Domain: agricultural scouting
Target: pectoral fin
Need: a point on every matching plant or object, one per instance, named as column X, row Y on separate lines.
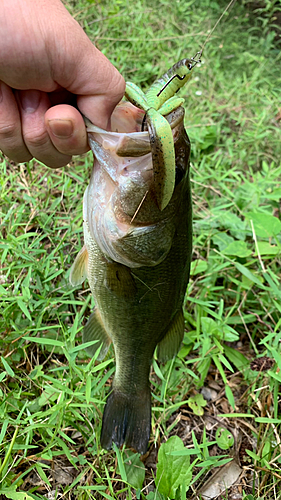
column 170, row 344
column 94, row 330
column 120, row 281
column 78, row 272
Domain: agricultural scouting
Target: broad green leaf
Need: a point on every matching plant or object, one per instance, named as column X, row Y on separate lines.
column 266, row 249
column 275, row 195
column 172, row 471
column 82, row 346
column 3, row 430
column 203, row 368
column 237, row 320
column 229, row 334
column 135, row 470
column 236, row 357
column 265, row 225
column 225, row 362
column 236, row 415
column 266, row 452
column 238, row 249
column 16, row 495
column 24, row 309
column 273, row 283
column 155, row 495
column 49, row 394
column 268, row 420
column 231, row 221
column 230, row 397
column 7, row 367
column 121, row 466
column 45, row 341
column 210, row 327
column 188, row 451
column 225, row 439
column 37, row 372
column 42, row 474
column 185, row 350
column 197, row 403
column 248, row 274
column 198, row 266
column 158, row 371
column 253, row 455
column 88, row 388
column 220, row 368
column 214, row 462
column 222, row 240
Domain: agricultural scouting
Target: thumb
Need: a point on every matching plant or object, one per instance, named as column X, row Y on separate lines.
column 97, row 103
column 88, row 74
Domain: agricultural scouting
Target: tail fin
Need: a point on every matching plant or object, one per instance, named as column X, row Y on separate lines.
column 126, row 419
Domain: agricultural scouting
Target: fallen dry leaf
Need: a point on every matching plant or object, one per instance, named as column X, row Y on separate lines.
column 225, row 477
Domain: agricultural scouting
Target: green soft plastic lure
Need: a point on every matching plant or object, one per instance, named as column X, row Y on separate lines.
column 160, row 100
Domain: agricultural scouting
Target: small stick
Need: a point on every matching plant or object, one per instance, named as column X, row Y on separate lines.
column 139, row 207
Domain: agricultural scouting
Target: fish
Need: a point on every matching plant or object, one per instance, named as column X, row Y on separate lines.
column 136, row 259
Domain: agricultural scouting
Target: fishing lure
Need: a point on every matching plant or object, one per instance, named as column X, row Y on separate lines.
column 158, row 101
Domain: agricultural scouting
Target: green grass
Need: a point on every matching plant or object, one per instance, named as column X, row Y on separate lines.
column 51, row 395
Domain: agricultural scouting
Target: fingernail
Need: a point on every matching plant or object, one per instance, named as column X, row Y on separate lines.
column 61, row 128
column 29, row 100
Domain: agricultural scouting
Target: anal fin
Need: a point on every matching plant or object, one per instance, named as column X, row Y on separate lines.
column 95, row 330
column 78, row 271
column 170, row 344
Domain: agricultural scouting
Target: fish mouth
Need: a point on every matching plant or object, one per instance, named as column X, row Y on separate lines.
column 120, row 206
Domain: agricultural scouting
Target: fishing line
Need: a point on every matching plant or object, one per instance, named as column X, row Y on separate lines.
column 197, row 58
column 232, row 2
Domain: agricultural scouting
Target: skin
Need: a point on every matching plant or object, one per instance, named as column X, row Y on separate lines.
column 47, row 66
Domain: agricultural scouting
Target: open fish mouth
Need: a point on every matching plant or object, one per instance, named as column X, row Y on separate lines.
column 120, row 205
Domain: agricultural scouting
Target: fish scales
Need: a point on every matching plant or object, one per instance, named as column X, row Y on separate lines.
column 137, row 268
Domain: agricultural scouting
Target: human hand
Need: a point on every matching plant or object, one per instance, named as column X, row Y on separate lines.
column 46, row 62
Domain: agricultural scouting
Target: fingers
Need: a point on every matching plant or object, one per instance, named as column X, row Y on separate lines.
column 30, row 128
column 98, row 106
column 66, row 129
column 33, row 105
column 11, row 140
column 93, row 79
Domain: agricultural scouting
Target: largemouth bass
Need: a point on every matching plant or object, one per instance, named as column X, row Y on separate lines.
column 136, row 258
